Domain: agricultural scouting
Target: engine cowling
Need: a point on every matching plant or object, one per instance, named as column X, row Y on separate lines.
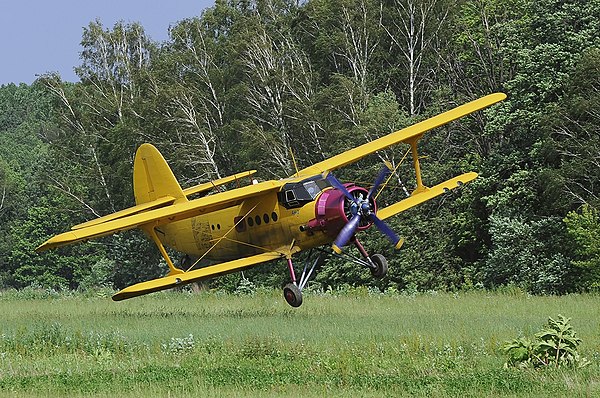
column 333, row 210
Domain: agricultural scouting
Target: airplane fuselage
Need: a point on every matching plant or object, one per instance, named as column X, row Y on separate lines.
column 257, row 225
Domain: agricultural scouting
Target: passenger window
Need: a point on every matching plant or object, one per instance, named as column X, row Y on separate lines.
column 250, row 221
column 274, row 216
column 266, row 218
column 240, row 224
column 257, row 220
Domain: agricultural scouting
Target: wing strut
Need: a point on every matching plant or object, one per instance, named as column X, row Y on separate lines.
column 152, row 232
column 415, row 155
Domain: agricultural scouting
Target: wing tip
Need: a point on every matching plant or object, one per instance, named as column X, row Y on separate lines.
column 151, row 286
column 499, row 95
column 56, row 241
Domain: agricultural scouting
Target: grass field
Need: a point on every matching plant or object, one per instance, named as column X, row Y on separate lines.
column 346, row 344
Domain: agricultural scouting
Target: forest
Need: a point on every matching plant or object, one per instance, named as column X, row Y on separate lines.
column 248, row 83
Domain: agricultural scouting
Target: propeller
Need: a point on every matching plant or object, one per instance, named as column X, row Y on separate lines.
column 362, row 210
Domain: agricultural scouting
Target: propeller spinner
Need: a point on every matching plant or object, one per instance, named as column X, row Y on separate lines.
column 363, row 212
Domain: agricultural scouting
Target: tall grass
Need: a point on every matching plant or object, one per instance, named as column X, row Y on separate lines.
column 351, row 343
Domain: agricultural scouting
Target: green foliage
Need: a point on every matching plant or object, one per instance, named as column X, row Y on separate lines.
column 555, row 346
column 584, row 230
column 245, row 84
column 245, row 287
column 100, row 275
column 53, row 269
column 527, row 254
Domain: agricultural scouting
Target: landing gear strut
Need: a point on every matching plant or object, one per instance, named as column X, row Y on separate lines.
column 292, row 292
column 376, row 263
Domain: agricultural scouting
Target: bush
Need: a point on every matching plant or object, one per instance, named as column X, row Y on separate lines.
column 555, row 346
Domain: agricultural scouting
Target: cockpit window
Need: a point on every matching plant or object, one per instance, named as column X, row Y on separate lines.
column 299, row 193
column 312, row 188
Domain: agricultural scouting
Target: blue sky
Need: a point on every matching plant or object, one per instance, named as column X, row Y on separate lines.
column 38, row 36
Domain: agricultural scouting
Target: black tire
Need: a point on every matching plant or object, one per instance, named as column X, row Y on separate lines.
column 381, row 266
column 292, row 295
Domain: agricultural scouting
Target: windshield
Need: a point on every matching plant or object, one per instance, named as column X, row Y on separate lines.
column 299, row 193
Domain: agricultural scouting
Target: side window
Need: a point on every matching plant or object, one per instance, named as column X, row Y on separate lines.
column 240, row 224
column 290, row 199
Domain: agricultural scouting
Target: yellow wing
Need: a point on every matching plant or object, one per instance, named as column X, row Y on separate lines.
column 405, row 135
column 207, row 186
column 171, row 281
column 164, row 201
column 176, row 212
column 425, row 195
column 155, row 186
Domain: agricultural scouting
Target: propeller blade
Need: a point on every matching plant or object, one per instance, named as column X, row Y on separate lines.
column 386, row 230
column 346, row 234
column 385, row 171
column 338, row 185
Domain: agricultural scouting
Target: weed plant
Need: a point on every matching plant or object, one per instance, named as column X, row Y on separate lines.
column 351, row 342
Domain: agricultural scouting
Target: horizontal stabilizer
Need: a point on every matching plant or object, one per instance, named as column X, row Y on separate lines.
column 176, row 280
column 165, row 200
column 425, row 195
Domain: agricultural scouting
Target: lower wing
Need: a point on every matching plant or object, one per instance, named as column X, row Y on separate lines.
column 184, row 278
column 425, row 195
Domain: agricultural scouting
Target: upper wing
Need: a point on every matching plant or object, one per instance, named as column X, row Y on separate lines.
column 165, row 200
column 207, row 186
column 170, row 281
column 403, row 135
column 164, row 215
column 161, row 202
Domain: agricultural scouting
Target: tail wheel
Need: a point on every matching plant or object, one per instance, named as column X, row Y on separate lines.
column 380, row 266
column 292, row 295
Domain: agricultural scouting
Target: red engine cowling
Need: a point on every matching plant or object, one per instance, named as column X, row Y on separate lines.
column 333, row 210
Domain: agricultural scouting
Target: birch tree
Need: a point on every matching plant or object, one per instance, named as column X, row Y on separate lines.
column 413, row 27
column 358, row 23
column 280, row 91
column 99, row 117
column 194, row 96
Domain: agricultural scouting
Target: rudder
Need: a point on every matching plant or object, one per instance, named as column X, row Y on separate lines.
column 153, row 178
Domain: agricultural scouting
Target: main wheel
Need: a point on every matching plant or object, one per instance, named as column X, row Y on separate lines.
column 292, row 295
column 380, row 266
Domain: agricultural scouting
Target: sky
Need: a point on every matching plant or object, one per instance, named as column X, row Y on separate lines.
column 39, row 36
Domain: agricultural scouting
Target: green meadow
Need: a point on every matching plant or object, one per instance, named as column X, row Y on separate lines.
column 349, row 344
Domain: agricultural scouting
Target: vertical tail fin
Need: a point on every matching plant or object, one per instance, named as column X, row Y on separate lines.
column 153, row 178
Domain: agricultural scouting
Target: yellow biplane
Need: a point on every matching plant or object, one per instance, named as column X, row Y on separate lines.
column 264, row 221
